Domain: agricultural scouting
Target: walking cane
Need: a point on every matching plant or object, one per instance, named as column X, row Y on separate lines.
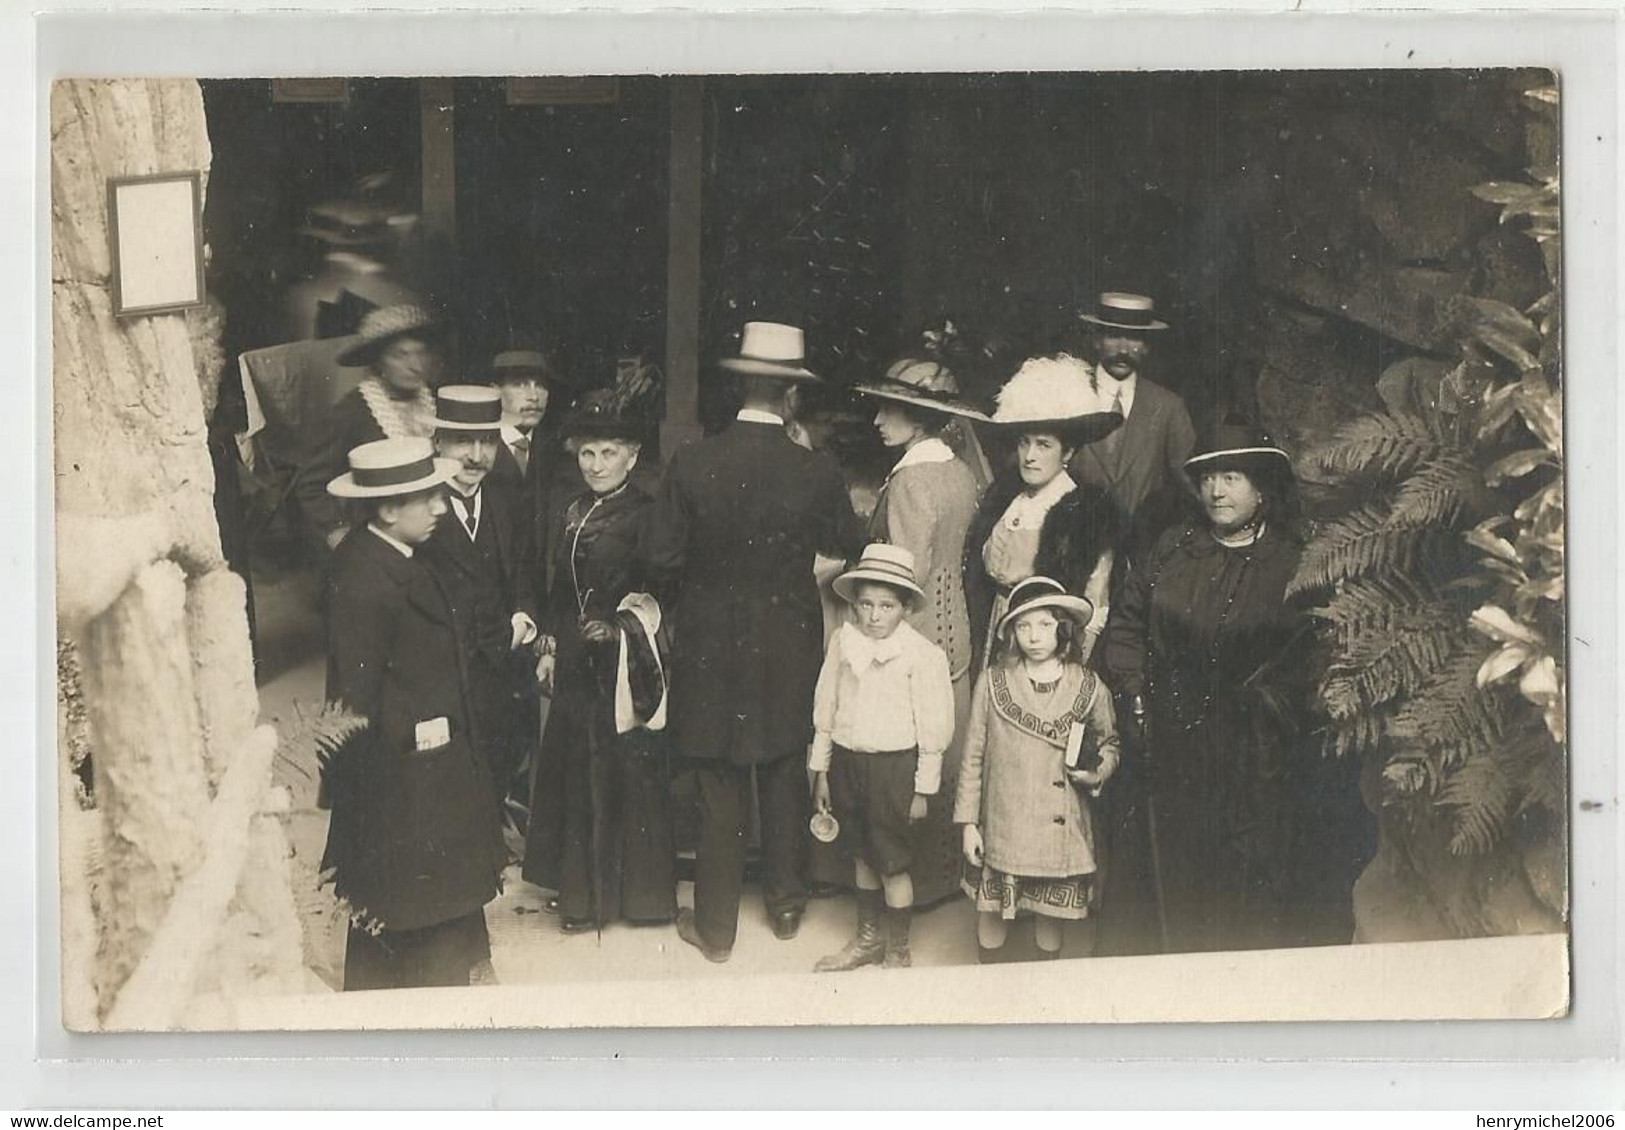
column 1143, row 727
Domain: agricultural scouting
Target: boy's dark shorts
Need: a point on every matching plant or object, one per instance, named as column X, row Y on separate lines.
column 871, row 794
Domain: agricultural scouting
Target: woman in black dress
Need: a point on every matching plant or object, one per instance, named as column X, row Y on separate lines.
column 600, row 831
column 1204, row 648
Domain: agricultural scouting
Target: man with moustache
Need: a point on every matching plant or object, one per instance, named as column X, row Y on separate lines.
column 482, row 555
column 413, row 845
column 1141, row 464
column 531, row 458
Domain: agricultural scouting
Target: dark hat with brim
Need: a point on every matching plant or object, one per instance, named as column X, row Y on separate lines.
column 517, row 364
column 600, row 415
column 770, row 349
column 1119, row 311
column 384, row 325
column 926, row 385
column 1239, row 444
column 1042, row 592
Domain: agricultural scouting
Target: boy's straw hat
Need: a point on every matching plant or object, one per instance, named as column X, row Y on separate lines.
column 881, row 563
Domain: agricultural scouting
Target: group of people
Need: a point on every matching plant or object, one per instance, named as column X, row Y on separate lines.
column 1072, row 695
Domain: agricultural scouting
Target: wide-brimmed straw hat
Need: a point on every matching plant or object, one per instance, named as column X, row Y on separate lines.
column 1119, row 311
column 925, row 384
column 387, row 468
column 1240, row 444
column 1042, row 592
column 467, row 408
column 384, row 325
column 600, row 414
column 771, row 349
column 881, row 563
column 1059, row 395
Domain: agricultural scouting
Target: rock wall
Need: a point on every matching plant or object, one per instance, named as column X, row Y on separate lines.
column 158, row 623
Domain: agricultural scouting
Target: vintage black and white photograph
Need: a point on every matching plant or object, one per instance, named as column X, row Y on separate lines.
column 781, row 549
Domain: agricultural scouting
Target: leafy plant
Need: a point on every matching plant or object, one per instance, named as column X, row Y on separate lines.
column 1442, row 580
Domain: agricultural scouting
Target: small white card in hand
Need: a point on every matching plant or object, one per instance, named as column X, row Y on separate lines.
column 433, row 734
column 1074, row 745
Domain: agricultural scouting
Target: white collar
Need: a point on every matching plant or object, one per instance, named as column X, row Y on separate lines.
column 929, row 450
column 512, row 435
column 393, row 542
column 860, row 652
column 463, row 500
column 757, row 416
column 1111, row 388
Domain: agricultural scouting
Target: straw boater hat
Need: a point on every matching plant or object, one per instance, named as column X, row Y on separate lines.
column 887, row 564
column 923, row 384
column 1057, row 394
column 770, row 349
column 387, row 468
column 600, row 414
column 1041, row 592
column 1120, row 311
column 516, row 364
column 384, row 325
column 467, row 408
column 1238, row 444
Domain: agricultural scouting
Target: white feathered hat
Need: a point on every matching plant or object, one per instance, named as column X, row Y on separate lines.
column 1057, row 394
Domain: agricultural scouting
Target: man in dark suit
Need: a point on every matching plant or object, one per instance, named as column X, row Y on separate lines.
column 483, row 556
column 413, row 844
column 530, row 460
column 1141, row 464
column 740, row 519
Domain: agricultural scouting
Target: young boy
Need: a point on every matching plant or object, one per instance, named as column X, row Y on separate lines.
column 883, row 713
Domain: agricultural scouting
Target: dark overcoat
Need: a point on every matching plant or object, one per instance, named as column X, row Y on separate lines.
column 486, row 584
column 350, row 425
column 1206, row 635
column 740, row 519
column 1146, row 475
column 414, row 839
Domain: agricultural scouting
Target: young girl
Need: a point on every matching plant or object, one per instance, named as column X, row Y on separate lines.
column 1042, row 735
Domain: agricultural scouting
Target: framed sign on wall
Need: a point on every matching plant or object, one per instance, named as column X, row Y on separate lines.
column 155, row 225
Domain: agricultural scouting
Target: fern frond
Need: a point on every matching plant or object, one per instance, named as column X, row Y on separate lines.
column 1357, row 544
column 1384, row 661
column 1436, row 494
column 313, row 737
column 1482, row 798
column 1377, row 445
column 1450, row 712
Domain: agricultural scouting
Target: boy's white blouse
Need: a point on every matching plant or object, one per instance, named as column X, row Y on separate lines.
column 879, row 696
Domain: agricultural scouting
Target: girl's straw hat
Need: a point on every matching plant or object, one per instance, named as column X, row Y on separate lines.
column 1041, row 592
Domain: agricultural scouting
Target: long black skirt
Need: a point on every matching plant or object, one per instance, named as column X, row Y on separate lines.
column 429, row 957
column 600, row 826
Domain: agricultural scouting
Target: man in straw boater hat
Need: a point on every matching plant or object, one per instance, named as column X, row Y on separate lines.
column 1142, row 463
column 740, row 519
column 484, row 557
column 414, row 846
column 399, row 347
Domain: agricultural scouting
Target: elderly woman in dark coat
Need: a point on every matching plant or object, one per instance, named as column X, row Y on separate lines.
column 1205, row 648
column 600, row 831
column 1035, row 520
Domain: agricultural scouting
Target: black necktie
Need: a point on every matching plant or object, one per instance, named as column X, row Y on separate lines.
column 469, row 522
column 521, row 451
